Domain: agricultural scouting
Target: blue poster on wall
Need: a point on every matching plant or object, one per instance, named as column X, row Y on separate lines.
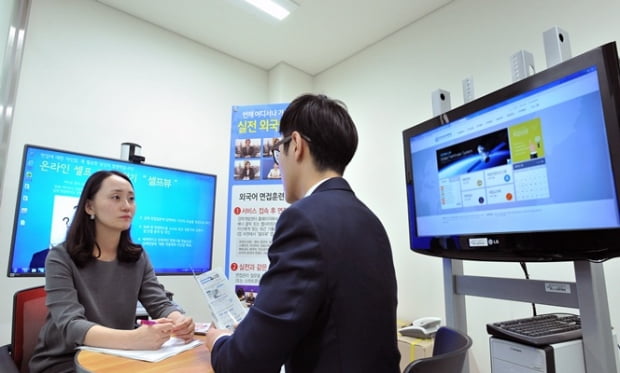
column 255, row 194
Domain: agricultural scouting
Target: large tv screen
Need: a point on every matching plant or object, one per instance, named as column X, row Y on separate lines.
column 173, row 220
column 530, row 172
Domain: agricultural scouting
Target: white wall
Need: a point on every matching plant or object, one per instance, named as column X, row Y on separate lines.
column 6, row 13
column 92, row 78
column 388, row 89
column 286, row 82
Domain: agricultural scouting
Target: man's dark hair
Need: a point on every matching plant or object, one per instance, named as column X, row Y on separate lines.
column 326, row 122
column 81, row 235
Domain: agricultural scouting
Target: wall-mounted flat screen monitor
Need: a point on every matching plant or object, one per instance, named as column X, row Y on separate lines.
column 530, row 172
column 173, row 220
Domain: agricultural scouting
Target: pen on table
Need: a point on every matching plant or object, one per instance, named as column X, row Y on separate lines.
column 146, row 322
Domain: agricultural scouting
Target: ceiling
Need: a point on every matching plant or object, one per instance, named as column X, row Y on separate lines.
column 316, row 36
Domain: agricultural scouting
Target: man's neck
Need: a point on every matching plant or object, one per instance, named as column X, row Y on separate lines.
column 315, row 178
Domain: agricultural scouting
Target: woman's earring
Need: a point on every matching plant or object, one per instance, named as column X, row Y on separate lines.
column 92, row 216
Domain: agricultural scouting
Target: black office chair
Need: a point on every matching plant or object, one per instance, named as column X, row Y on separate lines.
column 7, row 365
column 449, row 352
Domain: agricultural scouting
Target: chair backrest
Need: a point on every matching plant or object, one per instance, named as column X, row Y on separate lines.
column 449, row 352
column 29, row 314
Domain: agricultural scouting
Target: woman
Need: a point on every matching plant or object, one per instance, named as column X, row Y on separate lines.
column 95, row 279
column 274, row 173
column 248, row 172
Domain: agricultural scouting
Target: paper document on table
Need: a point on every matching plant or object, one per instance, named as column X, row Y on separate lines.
column 201, row 328
column 171, row 347
column 226, row 309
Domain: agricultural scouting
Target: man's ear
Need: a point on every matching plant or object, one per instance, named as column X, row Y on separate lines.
column 300, row 148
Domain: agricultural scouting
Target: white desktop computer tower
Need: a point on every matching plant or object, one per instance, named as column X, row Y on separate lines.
column 513, row 357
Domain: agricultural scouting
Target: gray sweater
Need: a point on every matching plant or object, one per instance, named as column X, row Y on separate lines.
column 103, row 293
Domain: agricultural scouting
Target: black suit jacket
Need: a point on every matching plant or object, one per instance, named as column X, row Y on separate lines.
column 328, row 300
column 249, row 151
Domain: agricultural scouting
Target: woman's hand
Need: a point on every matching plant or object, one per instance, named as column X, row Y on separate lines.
column 153, row 336
column 184, row 326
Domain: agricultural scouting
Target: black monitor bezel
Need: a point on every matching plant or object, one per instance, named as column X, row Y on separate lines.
column 597, row 244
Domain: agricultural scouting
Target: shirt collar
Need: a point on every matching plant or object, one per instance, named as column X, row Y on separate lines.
column 312, row 188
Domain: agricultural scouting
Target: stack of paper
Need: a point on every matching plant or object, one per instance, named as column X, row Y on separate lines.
column 170, row 348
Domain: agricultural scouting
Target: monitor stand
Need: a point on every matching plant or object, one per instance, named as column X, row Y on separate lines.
column 588, row 293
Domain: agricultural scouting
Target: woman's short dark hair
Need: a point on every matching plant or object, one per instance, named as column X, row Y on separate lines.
column 326, row 122
column 81, row 235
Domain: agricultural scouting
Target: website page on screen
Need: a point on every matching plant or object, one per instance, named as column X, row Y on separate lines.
column 536, row 162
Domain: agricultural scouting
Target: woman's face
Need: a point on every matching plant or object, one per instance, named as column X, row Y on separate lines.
column 113, row 205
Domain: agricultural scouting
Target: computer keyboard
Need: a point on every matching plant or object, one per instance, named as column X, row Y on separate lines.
column 539, row 330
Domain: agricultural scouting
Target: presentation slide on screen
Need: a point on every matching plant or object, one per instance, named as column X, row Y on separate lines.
column 173, row 220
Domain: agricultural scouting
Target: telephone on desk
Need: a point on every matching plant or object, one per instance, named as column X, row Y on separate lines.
column 425, row 327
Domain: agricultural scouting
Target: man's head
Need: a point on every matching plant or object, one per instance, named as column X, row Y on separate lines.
column 328, row 126
column 318, row 140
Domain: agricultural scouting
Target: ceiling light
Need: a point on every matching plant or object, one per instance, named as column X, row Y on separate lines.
column 278, row 9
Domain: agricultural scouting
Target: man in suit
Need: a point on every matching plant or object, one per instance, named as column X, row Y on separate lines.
column 328, row 300
column 248, row 150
